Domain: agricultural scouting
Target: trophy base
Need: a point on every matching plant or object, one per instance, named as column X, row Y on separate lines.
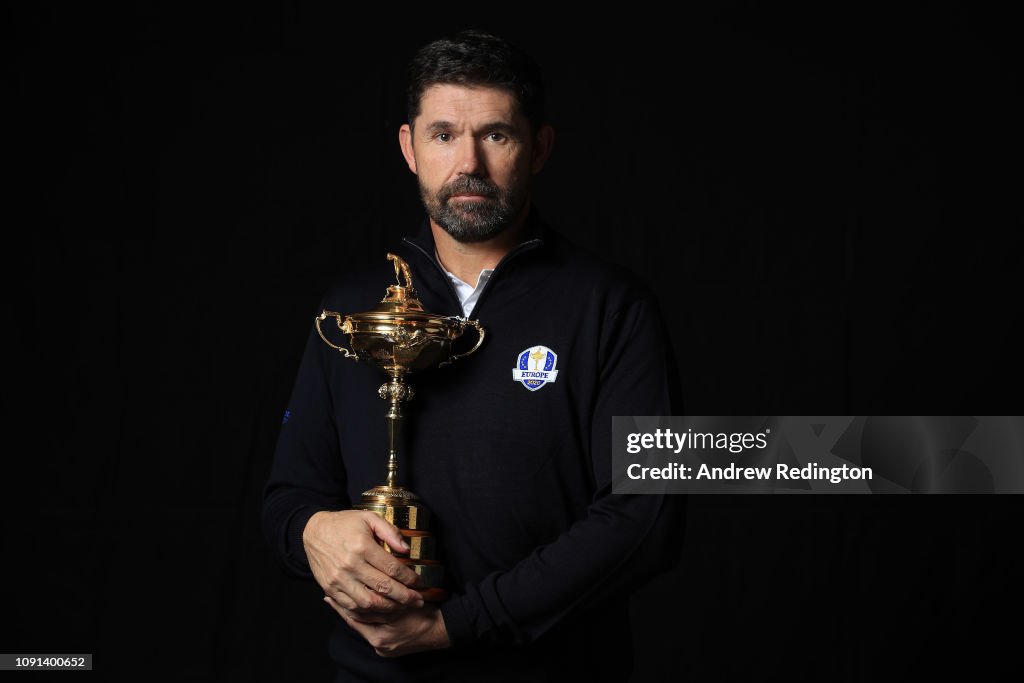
column 395, row 504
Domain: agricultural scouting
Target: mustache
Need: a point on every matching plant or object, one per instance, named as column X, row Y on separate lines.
column 468, row 184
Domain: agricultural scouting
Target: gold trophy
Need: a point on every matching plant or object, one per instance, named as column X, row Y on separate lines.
column 399, row 337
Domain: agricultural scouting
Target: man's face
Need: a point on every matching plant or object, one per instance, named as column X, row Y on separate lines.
column 473, row 154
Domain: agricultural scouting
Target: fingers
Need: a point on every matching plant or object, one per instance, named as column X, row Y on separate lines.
column 387, row 532
column 342, row 600
column 352, row 594
column 384, row 578
column 387, row 564
column 390, row 566
column 362, row 617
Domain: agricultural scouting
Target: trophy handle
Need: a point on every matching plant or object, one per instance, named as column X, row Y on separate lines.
column 480, row 340
column 323, row 316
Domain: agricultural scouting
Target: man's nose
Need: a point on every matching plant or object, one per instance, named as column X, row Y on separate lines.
column 470, row 160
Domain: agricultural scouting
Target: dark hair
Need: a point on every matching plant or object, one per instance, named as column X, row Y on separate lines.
column 476, row 58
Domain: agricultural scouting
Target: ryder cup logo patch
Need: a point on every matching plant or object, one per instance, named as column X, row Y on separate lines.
column 535, row 367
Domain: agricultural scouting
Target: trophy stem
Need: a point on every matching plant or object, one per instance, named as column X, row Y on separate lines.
column 394, row 416
column 395, row 391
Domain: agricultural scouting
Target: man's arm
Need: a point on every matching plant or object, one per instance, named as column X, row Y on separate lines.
column 307, row 475
column 622, row 541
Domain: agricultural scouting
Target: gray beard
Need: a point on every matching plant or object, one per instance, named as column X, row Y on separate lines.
column 479, row 220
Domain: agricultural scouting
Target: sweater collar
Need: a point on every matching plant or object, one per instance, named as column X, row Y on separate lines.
column 435, row 288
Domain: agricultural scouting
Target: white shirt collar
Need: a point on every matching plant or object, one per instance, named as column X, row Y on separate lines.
column 468, row 294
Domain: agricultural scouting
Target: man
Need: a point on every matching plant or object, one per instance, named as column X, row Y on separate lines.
column 539, row 555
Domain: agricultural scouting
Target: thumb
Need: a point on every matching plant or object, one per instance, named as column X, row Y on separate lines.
column 386, row 531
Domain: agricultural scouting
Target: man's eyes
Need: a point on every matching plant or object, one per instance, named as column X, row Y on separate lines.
column 493, row 137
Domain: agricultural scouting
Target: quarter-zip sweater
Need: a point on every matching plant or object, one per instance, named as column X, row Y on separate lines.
column 539, row 555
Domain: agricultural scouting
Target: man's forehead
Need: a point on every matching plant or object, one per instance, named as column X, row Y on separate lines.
column 443, row 101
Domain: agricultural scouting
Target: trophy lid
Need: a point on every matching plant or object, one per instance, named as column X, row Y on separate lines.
column 400, row 302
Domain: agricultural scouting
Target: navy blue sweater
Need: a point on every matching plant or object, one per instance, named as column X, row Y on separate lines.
column 539, row 555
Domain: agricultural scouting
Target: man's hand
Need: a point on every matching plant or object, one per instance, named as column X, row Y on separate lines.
column 353, row 570
column 414, row 630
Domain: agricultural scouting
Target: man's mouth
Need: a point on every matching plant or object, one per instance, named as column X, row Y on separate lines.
column 470, row 198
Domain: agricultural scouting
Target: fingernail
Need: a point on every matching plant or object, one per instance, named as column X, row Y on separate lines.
column 405, row 546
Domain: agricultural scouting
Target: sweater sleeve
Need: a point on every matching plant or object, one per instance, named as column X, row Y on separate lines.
column 307, row 475
column 622, row 541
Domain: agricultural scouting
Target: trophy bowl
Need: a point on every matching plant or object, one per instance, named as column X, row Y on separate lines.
column 406, row 341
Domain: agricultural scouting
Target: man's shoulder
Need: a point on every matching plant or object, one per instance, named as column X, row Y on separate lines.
column 584, row 267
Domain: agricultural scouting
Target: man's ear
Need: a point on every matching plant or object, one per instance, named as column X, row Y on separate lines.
column 543, row 141
column 405, row 142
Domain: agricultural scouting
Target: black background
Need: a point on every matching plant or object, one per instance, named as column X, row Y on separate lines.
column 827, row 201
